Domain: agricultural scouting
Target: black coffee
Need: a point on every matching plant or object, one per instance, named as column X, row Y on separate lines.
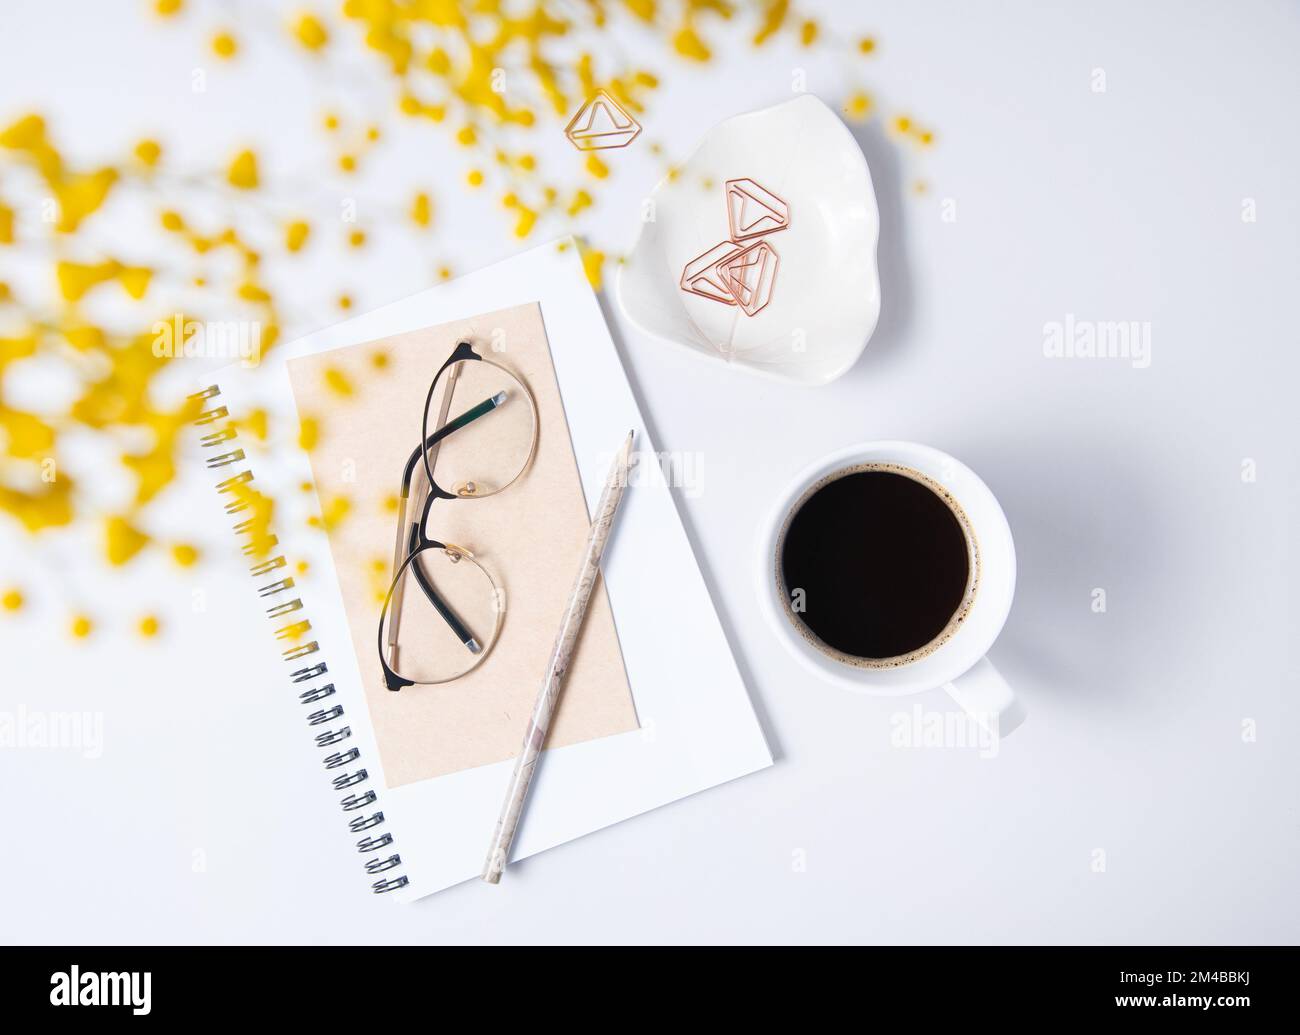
column 875, row 564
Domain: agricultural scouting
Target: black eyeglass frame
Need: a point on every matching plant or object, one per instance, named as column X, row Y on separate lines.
column 419, row 542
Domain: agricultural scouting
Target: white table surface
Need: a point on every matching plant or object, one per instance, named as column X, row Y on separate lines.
column 1122, row 205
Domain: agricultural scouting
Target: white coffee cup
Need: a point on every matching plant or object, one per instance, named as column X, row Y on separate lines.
column 959, row 663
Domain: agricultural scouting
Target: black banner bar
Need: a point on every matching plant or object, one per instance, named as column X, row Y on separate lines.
column 345, row 985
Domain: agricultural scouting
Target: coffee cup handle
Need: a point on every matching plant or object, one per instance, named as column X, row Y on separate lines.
column 987, row 698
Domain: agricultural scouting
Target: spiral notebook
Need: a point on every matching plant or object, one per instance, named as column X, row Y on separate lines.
column 658, row 711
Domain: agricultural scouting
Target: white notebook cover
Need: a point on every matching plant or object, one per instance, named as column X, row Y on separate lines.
column 698, row 728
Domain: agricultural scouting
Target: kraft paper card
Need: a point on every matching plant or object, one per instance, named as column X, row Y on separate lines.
column 364, row 405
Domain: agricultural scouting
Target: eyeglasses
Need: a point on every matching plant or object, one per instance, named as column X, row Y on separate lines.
column 446, row 625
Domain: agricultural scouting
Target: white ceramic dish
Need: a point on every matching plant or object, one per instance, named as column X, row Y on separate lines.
column 826, row 296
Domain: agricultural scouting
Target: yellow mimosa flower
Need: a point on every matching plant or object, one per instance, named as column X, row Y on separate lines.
column 243, row 171
column 310, row 32
column 224, row 45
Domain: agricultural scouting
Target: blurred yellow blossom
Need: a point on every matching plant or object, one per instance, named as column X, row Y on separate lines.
column 774, row 14
column 255, row 423
column 689, row 45
column 184, row 554
column 12, row 600
column 79, row 196
column 38, row 510
column 81, row 626
column 332, row 514
column 308, row 432
column 310, row 31
column 523, row 225
column 148, row 152
column 224, row 45
column 421, row 209
column 76, row 279
column 858, row 106
column 26, row 435
column 338, row 382
column 116, row 362
column 581, row 200
column 243, row 171
column 28, row 134
column 122, row 540
column 295, row 235
column 593, row 263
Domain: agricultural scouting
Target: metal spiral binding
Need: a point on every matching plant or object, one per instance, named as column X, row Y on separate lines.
column 224, row 435
column 311, row 696
column 275, row 587
column 358, row 801
column 258, row 543
column 341, row 758
column 350, row 779
column 324, row 715
column 226, row 459
column 280, row 610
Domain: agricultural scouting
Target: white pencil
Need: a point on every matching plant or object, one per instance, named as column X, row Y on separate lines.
column 565, row 642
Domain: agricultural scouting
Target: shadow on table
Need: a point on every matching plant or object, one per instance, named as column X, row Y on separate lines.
column 1086, row 520
column 896, row 296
